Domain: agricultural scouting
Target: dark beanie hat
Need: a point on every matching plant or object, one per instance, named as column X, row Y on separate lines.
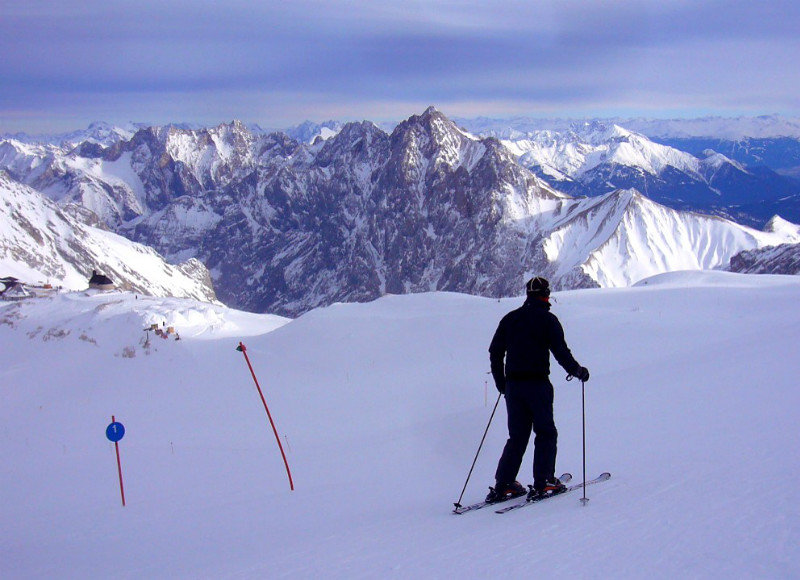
column 538, row 286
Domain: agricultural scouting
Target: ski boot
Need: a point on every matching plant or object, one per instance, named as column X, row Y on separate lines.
column 552, row 486
column 504, row 491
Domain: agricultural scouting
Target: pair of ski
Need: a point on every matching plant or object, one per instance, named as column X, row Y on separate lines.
column 565, row 478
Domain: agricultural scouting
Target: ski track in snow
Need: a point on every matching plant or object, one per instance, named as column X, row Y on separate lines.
column 380, row 406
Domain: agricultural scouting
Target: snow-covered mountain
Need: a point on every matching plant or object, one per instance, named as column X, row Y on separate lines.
column 759, row 158
column 285, row 226
column 620, row 238
column 79, row 175
column 594, row 158
column 780, row 154
column 780, row 259
column 41, row 242
column 135, row 177
column 570, row 155
column 309, row 131
column 98, row 133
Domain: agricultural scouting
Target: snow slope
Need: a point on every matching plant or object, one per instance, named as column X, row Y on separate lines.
column 41, row 242
column 692, row 406
column 620, row 238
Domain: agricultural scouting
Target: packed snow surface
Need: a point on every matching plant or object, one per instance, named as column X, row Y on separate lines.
column 692, row 405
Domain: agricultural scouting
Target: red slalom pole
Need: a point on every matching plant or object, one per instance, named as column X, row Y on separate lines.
column 241, row 348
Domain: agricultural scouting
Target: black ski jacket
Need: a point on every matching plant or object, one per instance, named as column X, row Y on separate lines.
column 525, row 338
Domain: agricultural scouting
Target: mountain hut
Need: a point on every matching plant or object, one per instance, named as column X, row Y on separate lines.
column 100, row 282
column 13, row 289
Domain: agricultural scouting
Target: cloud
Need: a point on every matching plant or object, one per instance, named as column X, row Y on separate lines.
column 268, row 58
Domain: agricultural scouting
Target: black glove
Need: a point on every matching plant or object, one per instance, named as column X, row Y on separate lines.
column 582, row 374
column 500, row 385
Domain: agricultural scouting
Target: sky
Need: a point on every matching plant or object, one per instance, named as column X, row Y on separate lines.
column 277, row 64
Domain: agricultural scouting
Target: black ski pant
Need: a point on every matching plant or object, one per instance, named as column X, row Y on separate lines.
column 530, row 407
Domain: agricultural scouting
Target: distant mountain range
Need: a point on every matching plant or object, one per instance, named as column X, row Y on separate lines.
column 351, row 212
column 781, row 154
column 594, row 158
column 720, row 128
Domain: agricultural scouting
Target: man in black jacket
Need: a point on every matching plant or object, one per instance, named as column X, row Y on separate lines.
column 524, row 340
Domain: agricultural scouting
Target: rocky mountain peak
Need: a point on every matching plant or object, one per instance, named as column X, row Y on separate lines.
column 357, row 142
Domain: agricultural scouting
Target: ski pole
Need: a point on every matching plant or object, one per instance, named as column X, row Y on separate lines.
column 458, row 503
column 584, row 499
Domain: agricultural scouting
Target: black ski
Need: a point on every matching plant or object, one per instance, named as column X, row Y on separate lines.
column 602, row 477
column 565, row 478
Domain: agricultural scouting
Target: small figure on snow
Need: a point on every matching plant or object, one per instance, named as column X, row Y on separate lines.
column 520, row 360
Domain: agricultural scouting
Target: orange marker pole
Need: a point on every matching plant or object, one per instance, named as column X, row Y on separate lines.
column 241, row 348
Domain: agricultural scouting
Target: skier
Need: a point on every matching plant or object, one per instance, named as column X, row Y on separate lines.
column 524, row 338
